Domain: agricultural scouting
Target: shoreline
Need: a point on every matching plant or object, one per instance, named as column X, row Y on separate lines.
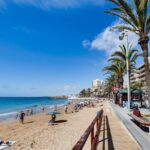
column 11, row 116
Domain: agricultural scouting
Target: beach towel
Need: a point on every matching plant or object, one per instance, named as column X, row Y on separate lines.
column 4, row 146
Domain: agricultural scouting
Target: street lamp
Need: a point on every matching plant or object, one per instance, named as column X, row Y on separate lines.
column 125, row 34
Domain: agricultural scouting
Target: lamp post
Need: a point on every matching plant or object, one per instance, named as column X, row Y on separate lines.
column 125, row 34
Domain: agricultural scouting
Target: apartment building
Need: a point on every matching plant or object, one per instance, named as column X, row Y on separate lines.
column 138, row 75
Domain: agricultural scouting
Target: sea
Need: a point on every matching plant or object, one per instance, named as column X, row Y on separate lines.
column 11, row 106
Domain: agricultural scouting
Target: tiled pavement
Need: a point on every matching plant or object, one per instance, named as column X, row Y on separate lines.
column 113, row 133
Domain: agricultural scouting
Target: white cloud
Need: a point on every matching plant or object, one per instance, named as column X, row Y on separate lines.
column 47, row 4
column 86, row 43
column 108, row 40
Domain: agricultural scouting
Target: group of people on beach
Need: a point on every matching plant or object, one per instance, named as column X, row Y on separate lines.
column 79, row 106
column 28, row 112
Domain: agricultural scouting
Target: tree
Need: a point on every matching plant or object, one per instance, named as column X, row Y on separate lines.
column 109, row 84
column 88, row 92
column 120, row 56
column 138, row 21
column 137, row 85
column 117, row 69
column 82, row 93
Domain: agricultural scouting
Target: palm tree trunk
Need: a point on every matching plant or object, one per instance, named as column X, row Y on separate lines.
column 143, row 41
column 121, row 83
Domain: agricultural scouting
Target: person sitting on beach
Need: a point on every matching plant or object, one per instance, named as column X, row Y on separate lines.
column 53, row 118
column 137, row 112
column 21, row 117
column 52, row 121
column 4, row 142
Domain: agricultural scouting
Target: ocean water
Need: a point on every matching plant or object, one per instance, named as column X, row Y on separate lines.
column 10, row 106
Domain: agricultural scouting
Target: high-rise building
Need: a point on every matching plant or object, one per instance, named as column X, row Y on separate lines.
column 139, row 74
column 96, row 84
column 96, row 87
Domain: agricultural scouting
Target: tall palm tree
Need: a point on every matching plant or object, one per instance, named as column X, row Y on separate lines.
column 117, row 69
column 121, row 56
column 138, row 21
column 110, row 82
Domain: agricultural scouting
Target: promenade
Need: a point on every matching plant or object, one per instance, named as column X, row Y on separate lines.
column 113, row 133
column 142, row 137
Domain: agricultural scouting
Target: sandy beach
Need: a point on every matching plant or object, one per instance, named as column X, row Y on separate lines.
column 36, row 134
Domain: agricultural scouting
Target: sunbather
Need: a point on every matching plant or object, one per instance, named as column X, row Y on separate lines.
column 6, row 144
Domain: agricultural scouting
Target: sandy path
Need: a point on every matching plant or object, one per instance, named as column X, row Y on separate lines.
column 37, row 135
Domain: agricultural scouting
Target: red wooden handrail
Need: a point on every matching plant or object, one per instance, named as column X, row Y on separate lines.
column 90, row 130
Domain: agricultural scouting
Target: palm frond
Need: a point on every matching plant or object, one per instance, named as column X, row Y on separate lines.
column 128, row 21
column 124, row 27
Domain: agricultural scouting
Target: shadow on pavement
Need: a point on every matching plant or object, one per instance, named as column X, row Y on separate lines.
column 110, row 141
column 106, row 141
column 145, row 129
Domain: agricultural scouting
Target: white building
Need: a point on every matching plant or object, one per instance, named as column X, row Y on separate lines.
column 97, row 87
column 96, row 84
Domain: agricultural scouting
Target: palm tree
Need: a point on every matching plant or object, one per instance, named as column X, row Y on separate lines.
column 88, row 92
column 110, row 82
column 82, row 93
column 120, row 56
column 138, row 21
column 137, row 85
column 117, row 69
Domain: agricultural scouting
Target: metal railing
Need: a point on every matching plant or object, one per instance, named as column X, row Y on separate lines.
column 90, row 130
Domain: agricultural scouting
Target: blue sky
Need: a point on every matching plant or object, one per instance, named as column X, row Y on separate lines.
column 52, row 47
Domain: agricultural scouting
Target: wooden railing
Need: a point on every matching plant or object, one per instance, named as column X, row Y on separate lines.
column 90, row 130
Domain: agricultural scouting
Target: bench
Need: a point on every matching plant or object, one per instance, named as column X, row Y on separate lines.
column 143, row 121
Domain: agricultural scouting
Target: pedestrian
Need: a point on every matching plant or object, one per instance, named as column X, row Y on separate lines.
column 55, row 108
column 21, row 117
column 31, row 111
column 43, row 108
column 66, row 109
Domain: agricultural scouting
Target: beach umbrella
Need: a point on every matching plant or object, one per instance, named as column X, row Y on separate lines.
column 53, row 113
